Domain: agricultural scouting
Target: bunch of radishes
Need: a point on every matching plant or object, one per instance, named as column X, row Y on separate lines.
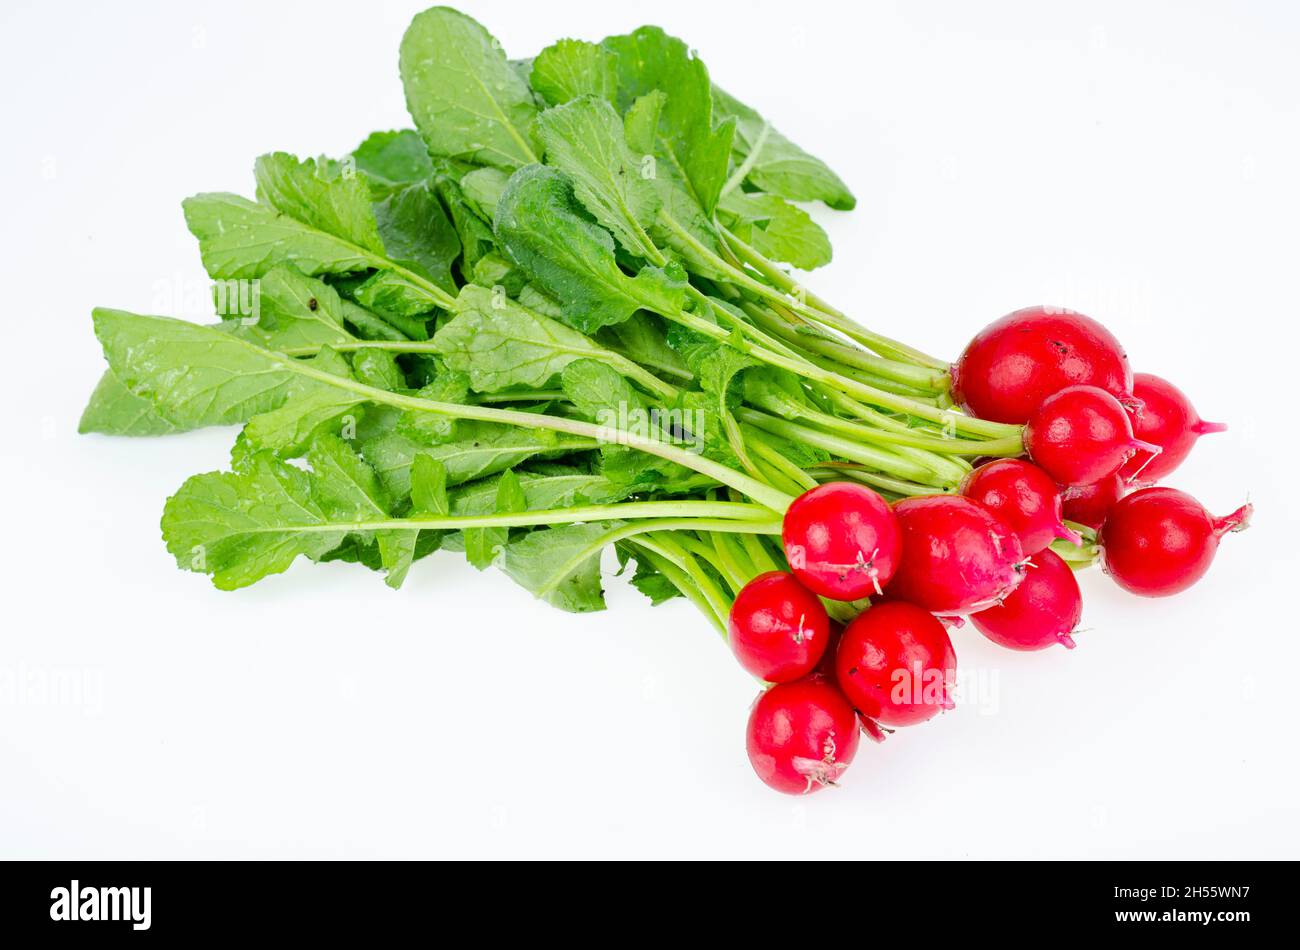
column 1092, row 432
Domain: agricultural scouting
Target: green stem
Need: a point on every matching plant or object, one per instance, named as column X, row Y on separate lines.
column 808, row 304
column 758, row 491
column 879, row 459
column 819, row 341
column 758, row 554
column 849, row 386
column 742, row 171
column 719, row 602
column 624, row 532
column 730, row 559
column 936, row 450
column 532, row 395
column 728, row 516
column 896, row 486
column 769, row 454
column 678, row 577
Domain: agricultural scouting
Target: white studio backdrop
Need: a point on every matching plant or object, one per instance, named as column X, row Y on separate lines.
column 1137, row 162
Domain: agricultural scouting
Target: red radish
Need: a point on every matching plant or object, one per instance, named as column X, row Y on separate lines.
column 1089, row 505
column 826, row 670
column 841, row 540
column 802, row 736
column 1165, row 417
column 957, row 557
column 778, row 629
column 896, row 664
column 1160, row 541
column 1015, row 363
column 1024, row 498
column 1043, row 611
column 1081, row 435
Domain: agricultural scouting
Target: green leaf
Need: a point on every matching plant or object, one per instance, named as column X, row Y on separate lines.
column 496, row 270
column 781, row 168
column 115, row 410
column 429, row 485
column 776, row 391
column 241, row 239
column 600, row 394
column 239, row 527
column 378, row 368
column 483, row 544
column 572, row 68
column 347, row 489
column 309, row 407
column 650, row 59
column 317, row 219
column 295, row 311
column 368, row 325
column 653, row 584
column 551, row 237
column 501, row 344
column 466, row 100
column 641, row 339
column 545, row 560
column 584, row 138
column 430, row 429
column 542, row 492
column 394, row 159
column 417, row 233
column 481, row 449
column 483, row 188
column 718, row 370
column 681, row 224
column 475, row 233
column 397, row 300
column 192, row 375
column 636, row 473
column 776, row 229
column 330, row 203
column 344, row 486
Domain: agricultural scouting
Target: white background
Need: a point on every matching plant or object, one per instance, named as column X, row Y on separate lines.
column 1137, row 162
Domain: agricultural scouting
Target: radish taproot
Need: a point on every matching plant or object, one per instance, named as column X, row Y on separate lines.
column 1165, row 417
column 1081, row 435
column 841, row 540
column 777, row 628
column 896, row 664
column 1161, row 541
column 1024, row 498
column 957, row 557
column 1015, row 363
column 1043, row 611
column 801, row 736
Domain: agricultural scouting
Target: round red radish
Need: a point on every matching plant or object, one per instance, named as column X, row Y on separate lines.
column 1160, row 541
column 1015, row 363
column 802, row 736
column 1024, row 498
column 1089, row 505
column 957, row 557
column 778, row 629
column 1080, row 436
column 826, row 670
column 841, row 540
column 896, row 664
column 1164, row 416
column 1043, row 611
